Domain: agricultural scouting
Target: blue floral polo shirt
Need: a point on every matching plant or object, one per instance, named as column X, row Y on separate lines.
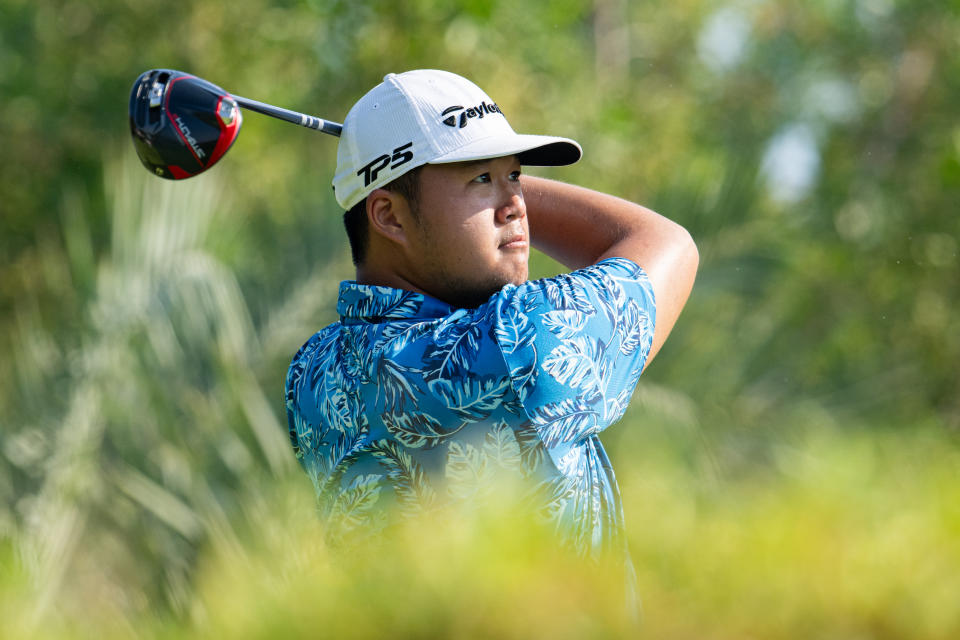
column 407, row 402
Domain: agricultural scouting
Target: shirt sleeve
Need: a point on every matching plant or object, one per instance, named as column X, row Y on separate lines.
column 575, row 346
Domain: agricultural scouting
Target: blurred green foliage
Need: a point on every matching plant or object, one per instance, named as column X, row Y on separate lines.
column 800, row 422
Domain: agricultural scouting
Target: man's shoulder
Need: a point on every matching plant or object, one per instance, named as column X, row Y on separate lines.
column 307, row 353
column 611, row 285
column 314, row 342
column 575, row 344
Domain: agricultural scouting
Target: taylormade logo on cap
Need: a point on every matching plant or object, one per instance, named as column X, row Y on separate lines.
column 472, row 112
column 429, row 116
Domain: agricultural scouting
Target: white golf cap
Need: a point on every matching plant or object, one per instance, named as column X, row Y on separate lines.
column 428, row 116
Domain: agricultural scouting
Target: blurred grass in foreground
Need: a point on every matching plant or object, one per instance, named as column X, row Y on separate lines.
column 846, row 535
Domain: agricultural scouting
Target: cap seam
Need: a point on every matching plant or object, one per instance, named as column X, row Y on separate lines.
column 416, row 109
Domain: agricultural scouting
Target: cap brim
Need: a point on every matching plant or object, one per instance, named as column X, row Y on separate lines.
column 539, row 151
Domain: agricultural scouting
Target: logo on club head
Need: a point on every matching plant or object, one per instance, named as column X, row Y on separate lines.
column 479, row 111
column 185, row 134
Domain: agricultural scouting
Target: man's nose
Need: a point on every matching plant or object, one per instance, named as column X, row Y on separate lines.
column 514, row 208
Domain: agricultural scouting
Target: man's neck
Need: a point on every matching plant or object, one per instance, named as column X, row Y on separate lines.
column 371, row 275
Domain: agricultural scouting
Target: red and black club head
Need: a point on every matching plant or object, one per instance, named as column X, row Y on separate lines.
column 181, row 125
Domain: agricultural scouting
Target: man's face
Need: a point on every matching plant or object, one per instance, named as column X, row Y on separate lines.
column 471, row 235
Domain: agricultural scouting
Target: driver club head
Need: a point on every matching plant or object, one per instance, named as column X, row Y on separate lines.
column 181, row 125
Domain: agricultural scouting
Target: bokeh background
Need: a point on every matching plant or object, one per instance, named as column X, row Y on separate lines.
column 790, row 463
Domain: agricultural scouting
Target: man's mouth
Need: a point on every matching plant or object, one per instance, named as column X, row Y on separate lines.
column 518, row 241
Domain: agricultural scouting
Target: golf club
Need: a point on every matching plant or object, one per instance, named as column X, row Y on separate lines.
column 182, row 125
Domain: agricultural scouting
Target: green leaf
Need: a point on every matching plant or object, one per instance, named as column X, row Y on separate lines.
column 501, row 447
column 354, row 505
column 467, row 470
column 409, row 480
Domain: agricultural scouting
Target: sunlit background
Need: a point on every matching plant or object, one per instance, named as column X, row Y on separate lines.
column 789, row 465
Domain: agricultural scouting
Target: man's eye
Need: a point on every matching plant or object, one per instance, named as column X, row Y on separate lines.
column 483, row 177
column 515, row 176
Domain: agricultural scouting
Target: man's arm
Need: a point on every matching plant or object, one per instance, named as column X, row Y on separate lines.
column 580, row 227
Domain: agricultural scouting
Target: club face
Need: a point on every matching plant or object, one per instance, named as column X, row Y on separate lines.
column 181, row 125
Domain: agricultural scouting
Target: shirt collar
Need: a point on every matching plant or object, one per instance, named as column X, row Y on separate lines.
column 360, row 303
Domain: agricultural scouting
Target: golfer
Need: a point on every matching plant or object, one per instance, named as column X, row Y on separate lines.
column 448, row 369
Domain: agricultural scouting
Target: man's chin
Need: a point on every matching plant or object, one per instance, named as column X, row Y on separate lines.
column 472, row 295
column 520, row 277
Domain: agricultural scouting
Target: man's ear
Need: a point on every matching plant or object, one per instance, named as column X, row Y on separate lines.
column 388, row 213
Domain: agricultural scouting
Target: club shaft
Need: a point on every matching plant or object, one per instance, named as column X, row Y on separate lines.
column 302, row 119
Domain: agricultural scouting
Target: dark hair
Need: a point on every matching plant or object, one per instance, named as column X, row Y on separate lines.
column 355, row 219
